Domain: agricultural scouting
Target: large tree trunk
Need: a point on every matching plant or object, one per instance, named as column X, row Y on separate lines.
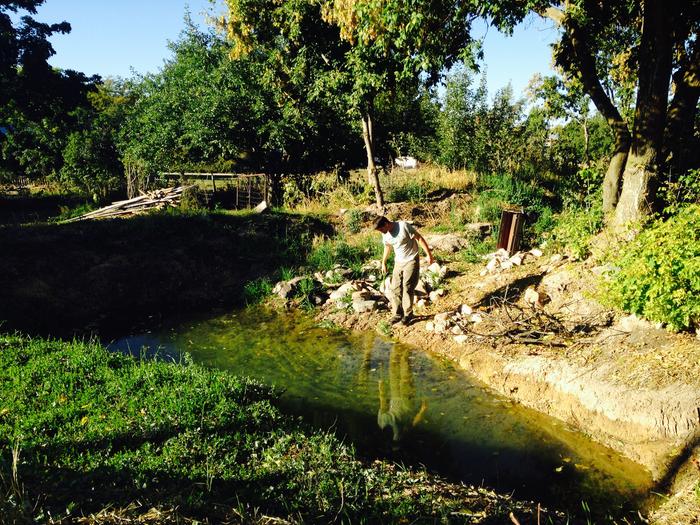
column 372, row 175
column 586, row 67
column 613, row 175
column 642, row 171
column 680, row 145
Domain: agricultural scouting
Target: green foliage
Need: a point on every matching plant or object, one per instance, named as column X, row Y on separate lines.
column 353, row 220
column 91, row 164
column 659, row 272
column 499, row 191
column 477, row 247
column 256, row 291
column 193, row 200
column 573, row 230
column 413, row 191
column 684, row 191
column 305, row 290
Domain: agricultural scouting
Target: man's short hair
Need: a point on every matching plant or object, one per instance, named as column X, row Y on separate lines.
column 380, row 222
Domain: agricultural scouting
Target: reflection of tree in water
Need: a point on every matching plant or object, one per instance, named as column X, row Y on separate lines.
column 397, row 400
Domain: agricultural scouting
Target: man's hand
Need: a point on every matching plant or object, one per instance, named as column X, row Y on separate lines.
column 430, row 259
column 384, row 272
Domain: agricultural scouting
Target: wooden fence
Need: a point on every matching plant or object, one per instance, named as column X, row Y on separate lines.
column 244, row 190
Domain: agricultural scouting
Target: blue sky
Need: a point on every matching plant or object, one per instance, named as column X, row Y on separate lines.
column 114, row 38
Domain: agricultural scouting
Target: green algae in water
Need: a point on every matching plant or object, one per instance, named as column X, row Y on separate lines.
column 396, row 402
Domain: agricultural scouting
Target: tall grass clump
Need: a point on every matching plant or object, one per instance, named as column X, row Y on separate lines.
column 659, row 272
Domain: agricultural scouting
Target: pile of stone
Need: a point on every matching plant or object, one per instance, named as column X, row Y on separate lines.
column 366, row 294
column 501, row 260
column 452, row 322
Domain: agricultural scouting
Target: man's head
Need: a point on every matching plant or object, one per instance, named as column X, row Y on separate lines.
column 382, row 224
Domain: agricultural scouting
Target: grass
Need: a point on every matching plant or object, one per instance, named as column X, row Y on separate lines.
column 85, row 431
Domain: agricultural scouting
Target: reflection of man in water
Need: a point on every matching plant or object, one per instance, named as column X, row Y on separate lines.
column 397, row 409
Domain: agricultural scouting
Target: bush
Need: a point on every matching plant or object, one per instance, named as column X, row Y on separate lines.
column 256, row 291
column 659, row 272
column 573, row 230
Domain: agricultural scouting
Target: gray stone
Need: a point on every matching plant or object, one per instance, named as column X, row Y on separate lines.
column 448, row 242
column 363, row 306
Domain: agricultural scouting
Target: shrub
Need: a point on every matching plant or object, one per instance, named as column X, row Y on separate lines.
column 255, row 291
column 353, row 220
column 573, row 230
column 659, row 272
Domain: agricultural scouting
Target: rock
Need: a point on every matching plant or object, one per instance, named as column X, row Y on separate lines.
column 363, row 306
column 361, row 295
column 484, row 272
column 557, row 257
column 536, row 252
column 343, row 291
column 517, row 259
column 342, row 211
column 448, row 242
column 492, row 266
column 442, row 317
column 421, row 289
column 531, row 296
column 283, row 289
column 460, row 339
column 440, row 327
column 482, row 228
column 630, row 323
column 437, row 269
column 420, row 304
column 429, row 326
column 433, row 296
column 318, row 300
column 465, row 310
column 502, row 253
column 476, row 318
column 371, row 278
column 456, row 330
column 506, row 265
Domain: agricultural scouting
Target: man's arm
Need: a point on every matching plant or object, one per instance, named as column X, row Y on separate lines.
column 425, row 247
column 385, row 257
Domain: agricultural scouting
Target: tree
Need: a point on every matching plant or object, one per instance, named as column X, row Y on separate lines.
column 645, row 44
column 37, row 102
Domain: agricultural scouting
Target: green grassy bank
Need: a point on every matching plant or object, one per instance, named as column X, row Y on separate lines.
column 84, row 431
column 94, row 275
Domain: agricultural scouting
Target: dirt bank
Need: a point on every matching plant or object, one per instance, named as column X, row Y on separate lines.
column 624, row 382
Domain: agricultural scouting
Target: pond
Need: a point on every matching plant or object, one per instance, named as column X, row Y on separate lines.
column 397, row 402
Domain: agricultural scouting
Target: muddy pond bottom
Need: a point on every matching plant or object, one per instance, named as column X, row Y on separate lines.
column 396, row 402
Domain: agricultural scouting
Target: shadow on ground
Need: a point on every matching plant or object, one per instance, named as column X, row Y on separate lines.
column 62, row 279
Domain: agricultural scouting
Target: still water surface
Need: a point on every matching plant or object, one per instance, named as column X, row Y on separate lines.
column 396, row 402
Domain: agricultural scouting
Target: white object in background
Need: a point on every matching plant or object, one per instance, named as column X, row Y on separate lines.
column 406, row 162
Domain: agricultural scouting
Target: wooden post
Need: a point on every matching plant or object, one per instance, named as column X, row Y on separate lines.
column 237, row 183
column 250, row 185
column 213, row 184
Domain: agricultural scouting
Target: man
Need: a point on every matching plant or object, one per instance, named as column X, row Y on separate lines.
column 404, row 239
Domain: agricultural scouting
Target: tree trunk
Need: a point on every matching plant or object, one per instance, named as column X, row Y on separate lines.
column 613, row 176
column 372, row 175
column 586, row 67
column 642, row 171
column 680, row 147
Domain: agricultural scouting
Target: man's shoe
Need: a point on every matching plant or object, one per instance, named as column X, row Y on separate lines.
column 407, row 320
column 396, row 319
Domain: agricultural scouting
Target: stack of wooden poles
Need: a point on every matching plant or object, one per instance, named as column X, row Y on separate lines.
column 152, row 200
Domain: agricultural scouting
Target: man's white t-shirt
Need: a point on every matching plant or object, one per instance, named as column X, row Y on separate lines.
column 402, row 237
